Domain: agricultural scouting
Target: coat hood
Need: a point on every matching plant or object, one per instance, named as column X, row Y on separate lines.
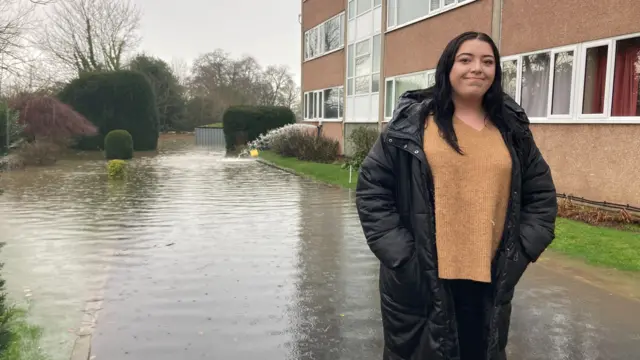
column 412, row 108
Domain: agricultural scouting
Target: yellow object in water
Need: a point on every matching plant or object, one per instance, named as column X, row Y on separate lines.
column 254, row 152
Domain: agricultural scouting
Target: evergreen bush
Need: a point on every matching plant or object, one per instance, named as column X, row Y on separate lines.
column 118, row 144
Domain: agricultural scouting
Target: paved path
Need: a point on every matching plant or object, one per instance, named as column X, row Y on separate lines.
column 243, row 262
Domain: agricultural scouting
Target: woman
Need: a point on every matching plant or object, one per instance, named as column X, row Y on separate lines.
column 455, row 200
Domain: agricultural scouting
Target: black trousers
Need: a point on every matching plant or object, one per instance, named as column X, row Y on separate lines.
column 469, row 299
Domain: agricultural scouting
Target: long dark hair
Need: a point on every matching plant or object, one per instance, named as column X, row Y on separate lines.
column 442, row 105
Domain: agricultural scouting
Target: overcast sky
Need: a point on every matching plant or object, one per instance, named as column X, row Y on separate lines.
column 267, row 30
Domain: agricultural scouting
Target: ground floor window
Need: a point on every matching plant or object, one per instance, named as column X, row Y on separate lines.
column 594, row 81
column 398, row 85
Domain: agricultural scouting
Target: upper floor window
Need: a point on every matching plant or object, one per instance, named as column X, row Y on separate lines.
column 324, row 38
column 404, row 12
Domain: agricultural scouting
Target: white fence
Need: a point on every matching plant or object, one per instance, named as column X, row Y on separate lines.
column 209, row 136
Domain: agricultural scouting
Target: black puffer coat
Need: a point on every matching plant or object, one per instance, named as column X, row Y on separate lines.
column 394, row 199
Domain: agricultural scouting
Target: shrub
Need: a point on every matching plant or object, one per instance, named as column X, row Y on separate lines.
column 242, row 123
column 115, row 100
column 362, row 140
column 118, row 144
column 265, row 141
column 305, row 145
column 116, row 169
column 40, row 152
column 45, row 117
column 15, row 128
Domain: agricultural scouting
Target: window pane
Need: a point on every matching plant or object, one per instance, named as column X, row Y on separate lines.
column 435, row 5
column 331, row 34
column 352, row 9
column 307, row 48
column 510, row 77
column 562, row 76
column 388, row 103
column 413, row 82
column 625, row 101
column 363, row 6
column 362, row 85
column 449, row 2
column 313, row 106
column 349, row 87
column 350, row 61
column 375, row 83
column 363, row 65
column 376, row 53
column 306, row 106
column 331, row 103
column 535, row 84
column 391, row 13
column 362, row 47
column 595, row 75
column 377, row 3
column 313, row 43
column 431, row 80
column 340, row 102
column 412, row 9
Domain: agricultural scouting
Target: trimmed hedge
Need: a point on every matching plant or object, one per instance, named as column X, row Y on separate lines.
column 243, row 123
column 118, row 144
column 115, row 100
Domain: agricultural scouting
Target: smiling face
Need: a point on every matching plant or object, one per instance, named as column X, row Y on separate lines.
column 474, row 69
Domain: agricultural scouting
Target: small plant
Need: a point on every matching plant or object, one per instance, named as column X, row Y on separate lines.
column 116, row 168
column 362, row 140
column 118, row 144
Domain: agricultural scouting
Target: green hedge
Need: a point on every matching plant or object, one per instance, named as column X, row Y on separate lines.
column 245, row 123
column 118, row 144
column 115, row 100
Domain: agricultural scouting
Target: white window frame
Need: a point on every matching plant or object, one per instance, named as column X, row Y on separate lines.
column 318, row 114
column 392, row 79
column 320, row 35
column 577, row 96
column 440, row 10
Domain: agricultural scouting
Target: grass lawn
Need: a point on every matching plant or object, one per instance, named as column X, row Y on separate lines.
column 619, row 249
column 600, row 246
column 328, row 173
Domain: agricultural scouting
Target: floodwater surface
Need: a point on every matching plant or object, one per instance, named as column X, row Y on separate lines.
column 198, row 256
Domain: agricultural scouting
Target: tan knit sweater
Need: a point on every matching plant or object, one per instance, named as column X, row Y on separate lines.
column 471, row 198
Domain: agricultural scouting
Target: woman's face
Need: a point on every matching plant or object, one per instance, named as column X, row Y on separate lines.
column 474, row 69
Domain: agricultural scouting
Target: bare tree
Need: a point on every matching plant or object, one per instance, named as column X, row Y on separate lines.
column 89, row 35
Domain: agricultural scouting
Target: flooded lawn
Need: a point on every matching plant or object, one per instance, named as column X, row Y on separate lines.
column 198, row 256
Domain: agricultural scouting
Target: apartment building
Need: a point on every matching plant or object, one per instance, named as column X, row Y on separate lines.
column 573, row 65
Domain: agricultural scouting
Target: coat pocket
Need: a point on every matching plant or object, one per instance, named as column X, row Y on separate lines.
column 516, row 266
column 402, row 288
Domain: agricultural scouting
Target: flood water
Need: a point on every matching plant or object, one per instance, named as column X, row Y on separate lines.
column 198, row 256
column 195, row 254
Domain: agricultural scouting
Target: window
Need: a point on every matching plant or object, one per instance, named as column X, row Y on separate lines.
column 535, row 84
column 626, row 75
column 404, row 12
column 397, row 86
column 326, row 104
column 510, row 77
column 324, row 38
column 596, row 81
column 595, row 75
column 562, row 83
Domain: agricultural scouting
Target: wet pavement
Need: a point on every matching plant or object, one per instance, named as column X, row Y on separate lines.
column 202, row 257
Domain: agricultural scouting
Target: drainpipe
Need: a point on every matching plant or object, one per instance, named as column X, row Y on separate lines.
column 496, row 22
